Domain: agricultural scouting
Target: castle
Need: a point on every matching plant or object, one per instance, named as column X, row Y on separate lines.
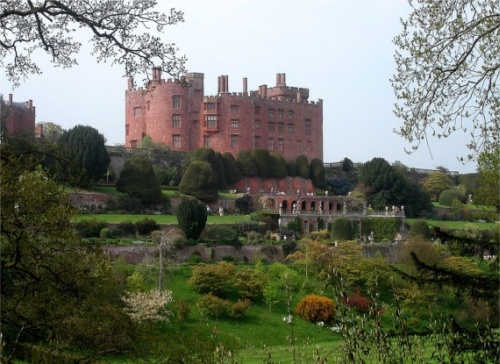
column 279, row 118
column 19, row 117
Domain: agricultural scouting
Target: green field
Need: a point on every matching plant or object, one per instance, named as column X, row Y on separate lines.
column 160, row 219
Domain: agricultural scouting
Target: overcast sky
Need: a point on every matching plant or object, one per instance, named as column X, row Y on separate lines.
column 341, row 50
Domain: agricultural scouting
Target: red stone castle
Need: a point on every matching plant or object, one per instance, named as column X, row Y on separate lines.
column 279, row 118
column 19, row 117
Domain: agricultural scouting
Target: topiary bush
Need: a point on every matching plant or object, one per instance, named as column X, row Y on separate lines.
column 127, row 228
column 315, row 308
column 146, row 226
column 221, row 235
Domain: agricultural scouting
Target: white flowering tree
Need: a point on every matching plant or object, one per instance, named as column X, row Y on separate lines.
column 148, row 306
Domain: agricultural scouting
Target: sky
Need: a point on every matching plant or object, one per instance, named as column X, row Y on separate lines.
column 341, row 50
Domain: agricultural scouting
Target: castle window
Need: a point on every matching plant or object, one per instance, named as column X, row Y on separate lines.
column 307, row 126
column 270, row 113
column 271, row 126
column 280, row 114
column 127, row 127
column 256, row 142
column 280, row 145
column 257, row 110
column 234, row 141
column 256, row 124
column 176, row 121
column 234, row 109
column 176, row 141
column 176, row 101
column 270, row 144
column 148, row 105
column 137, row 111
column 211, row 121
column 290, row 128
column 133, row 143
column 290, row 114
column 281, row 127
column 234, row 124
column 210, row 106
column 206, row 141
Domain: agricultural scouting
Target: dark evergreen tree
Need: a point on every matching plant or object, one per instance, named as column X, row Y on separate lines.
column 221, row 171
column 233, row 173
column 246, row 163
column 87, row 147
column 280, row 166
column 317, row 172
column 291, row 168
column 264, row 162
column 302, row 167
column 137, row 179
column 385, row 186
column 192, row 218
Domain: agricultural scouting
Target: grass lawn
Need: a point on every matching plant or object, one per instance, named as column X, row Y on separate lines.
column 160, row 219
column 459, row 224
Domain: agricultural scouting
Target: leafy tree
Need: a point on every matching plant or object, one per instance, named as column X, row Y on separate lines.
column 233, row 173
column 53, row 287
column 119, row 33
column 447, row 72
column 148, row 143
column 213, row 278
column 347, row 165
column 192, row 217
column 447, row 197
column 385, row 186
column 317, row 172
column 302, row 167
column 52, row 131
column 435, row 183
column 246, row 163
column 280, row 166
column 488, row 167
column 87, row 147
column 138, row 179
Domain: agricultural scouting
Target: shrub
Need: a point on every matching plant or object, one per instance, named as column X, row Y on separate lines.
column 317, row 171
column 195, row 258
column 221, row 235
column 90, row 228
column 250, row 284
column 146, row 226
column 182, row 310
column 127, row 228
column 238, row 309
column 212, row 306
column 213, row 278
column 131, row 205
column 420, row 228
column 201, row 181
column 358, row 302
column 447, row 196
column 105, row 233
column 315, row 308
column 244, row 204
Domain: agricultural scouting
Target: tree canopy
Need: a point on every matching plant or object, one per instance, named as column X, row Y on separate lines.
column 119, row 32
column 87, row 146
column 447, row 69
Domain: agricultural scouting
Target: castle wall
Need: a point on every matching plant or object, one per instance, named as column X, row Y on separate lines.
column 280, row 118
column 20, row 117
